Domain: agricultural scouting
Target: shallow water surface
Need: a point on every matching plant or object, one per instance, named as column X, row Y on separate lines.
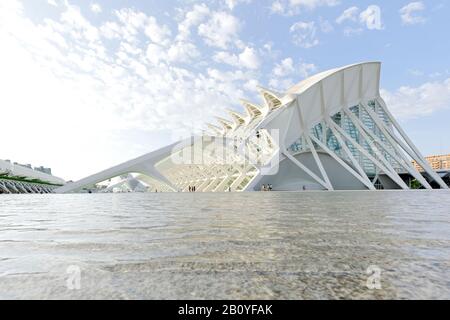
column 261, row 245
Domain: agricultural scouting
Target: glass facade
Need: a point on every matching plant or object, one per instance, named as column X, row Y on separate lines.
column 366, row 140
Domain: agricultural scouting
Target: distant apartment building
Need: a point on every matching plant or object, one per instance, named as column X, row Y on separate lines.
column 40, row 169
column 436, row 162
column 43, row 170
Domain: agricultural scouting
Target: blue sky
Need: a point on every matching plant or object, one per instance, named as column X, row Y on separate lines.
column 94, row 83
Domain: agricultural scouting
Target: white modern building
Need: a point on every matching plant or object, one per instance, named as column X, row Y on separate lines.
column 19, row 178
column 332, row 131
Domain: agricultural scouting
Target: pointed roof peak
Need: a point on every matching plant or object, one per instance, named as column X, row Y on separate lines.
column 272, row 92
column 239, row 118
column 252, row 109
column 227, row 124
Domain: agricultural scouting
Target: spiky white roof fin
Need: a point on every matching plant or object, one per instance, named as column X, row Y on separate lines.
column 238, row 118
column 252, row 109
column 226, row 124
column 272, row 98
column 215, row 129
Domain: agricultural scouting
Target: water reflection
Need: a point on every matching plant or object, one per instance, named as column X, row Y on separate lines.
column 231, row 245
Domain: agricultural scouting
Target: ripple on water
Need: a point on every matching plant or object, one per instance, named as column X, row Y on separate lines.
column 312, row 245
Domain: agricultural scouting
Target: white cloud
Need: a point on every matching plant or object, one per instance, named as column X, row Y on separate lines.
column 407, row 13
column 178, row 52
column 306, row 69
column 371, row 17
column 251, row 85
column 217, row 28
column 130, row 23
column 155, row 53
column 350, row 14
column 220, row 30
column 182, row 52
column 110, row 30
column 52, row 3
column 96, row 8
column 284, row 68
column 247, row 59
column 277, row 7
column 94, row 86
column 191, row 19
column 286, row 73
column 304, row 34
column 231, row 4
column 281, row 84
column 414, row 102
column 227, row 58
column 156, row 32
column 287, row 68
column 78, row 25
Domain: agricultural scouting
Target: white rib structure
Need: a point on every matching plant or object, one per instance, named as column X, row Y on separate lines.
column 332, row 131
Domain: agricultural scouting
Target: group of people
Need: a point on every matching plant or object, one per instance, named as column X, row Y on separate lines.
column 268, row 187
column 192, row 189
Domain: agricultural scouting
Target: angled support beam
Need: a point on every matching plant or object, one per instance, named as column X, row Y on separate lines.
column 210, row 178
column 206, row 183
column 363, row 131
column 307, row 139
column 350, row 155
column 223, row 175
column 213, row 183
column 221, row 186
column 319, row 163
column 362, row 179
column 305, row 169
column 397, row 154
column 395, row 178
column 226, row 179
column 241, row 178
column 418, row 156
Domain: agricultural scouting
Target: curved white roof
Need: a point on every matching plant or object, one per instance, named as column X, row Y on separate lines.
column 307, row 83
column 323, row 92
column 327, row 92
